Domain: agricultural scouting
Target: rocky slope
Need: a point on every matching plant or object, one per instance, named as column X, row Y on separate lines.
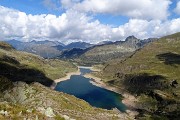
column 151, row 74
column 106, row 52
column 47, row 49
column 19, row 100
column 37, row 101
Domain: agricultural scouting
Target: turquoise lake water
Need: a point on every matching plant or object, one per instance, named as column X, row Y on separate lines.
column 81, row 87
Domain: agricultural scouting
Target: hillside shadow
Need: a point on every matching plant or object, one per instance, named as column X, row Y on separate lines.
column 169, row 58
column 143, row 83
column 16, row 72
column 58, row 47
column 9, row 59
column 72, row 53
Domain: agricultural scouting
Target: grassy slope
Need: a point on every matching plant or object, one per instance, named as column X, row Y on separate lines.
column 146, row 59
column 26, row 63
column 152, row 68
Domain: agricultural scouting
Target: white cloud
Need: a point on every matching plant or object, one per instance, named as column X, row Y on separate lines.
column 146, row 29
column 75, row 26
column 67, row 27
column 177, row 9
column 143, row 9
column 167, row 28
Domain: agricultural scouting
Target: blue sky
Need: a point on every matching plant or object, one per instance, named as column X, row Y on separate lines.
column 38, row 7
column 29, row 6
column 103, row 19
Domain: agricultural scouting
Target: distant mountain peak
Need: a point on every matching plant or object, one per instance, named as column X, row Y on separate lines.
column 132, row 37
column 33, row 41
column 13, row 40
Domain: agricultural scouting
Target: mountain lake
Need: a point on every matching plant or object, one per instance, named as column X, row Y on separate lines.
column 81, row 87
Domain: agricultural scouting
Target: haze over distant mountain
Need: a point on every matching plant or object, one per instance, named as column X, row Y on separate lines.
column 101, row 52
column 105, row 52
column 82, row 45
column 77, row 45
column 47, row 49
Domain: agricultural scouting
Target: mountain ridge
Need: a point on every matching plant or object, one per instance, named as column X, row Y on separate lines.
column 53, row 49
column 119, row 49
column 46, row 48
column 152, row 75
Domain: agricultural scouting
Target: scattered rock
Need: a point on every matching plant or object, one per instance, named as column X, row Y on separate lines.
column 132, row 113
column 3, row 112
column 37, row 117
column 29, row 110
column 66, row 117
column 174, row 83
column 49, row 112
column 20, row 113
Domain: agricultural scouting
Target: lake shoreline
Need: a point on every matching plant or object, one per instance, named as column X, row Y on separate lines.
column 67, row 77
column 128, row 99
column 98, row 82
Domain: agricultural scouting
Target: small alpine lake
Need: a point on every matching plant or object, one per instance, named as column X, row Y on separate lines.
column 81, row 87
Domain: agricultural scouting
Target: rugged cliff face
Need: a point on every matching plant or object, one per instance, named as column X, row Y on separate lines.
column 151, row 74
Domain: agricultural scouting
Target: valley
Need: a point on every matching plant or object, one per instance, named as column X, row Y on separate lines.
column 22, row 95
column 145, row 75
column 89, row 60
